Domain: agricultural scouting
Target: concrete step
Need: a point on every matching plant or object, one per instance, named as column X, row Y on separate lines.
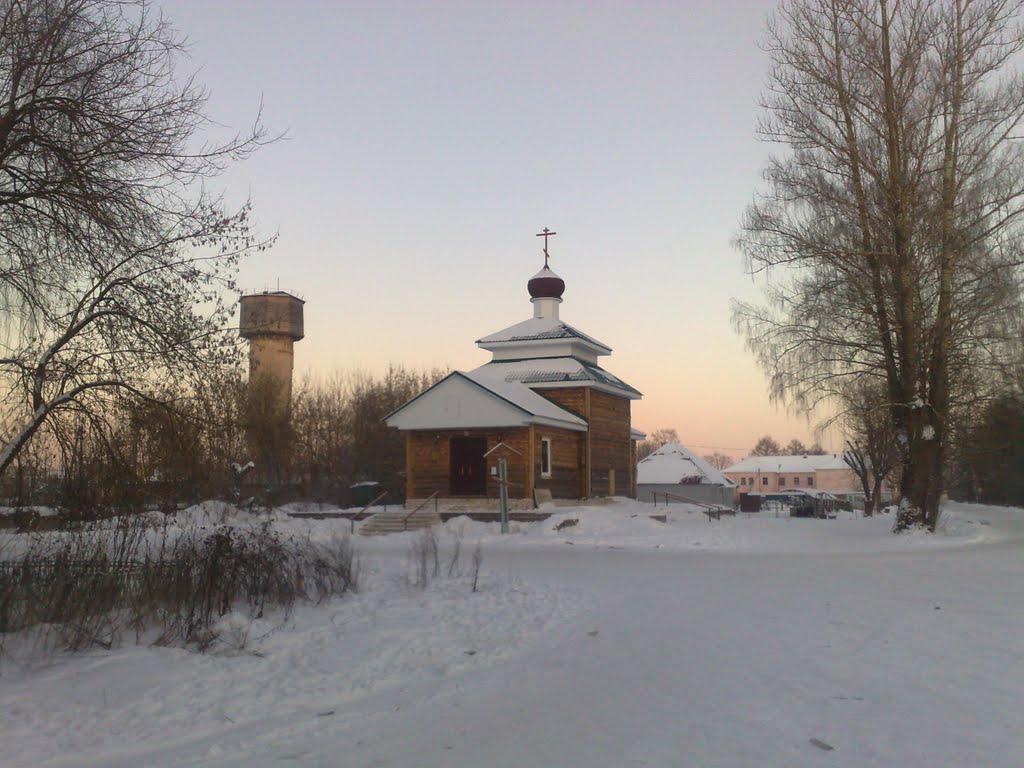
column 396, row 522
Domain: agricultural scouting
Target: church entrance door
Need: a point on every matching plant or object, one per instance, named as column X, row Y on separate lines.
column 468, row 470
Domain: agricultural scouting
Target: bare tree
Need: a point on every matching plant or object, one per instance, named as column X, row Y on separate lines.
column 893, row 218
column 115, row 260
column 719, row 460
column 796, row 447
column 340, row 433
column 656, row 440
column 766, row 446
column 871, row 448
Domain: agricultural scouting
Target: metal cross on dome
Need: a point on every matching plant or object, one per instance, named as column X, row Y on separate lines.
column 546, row 234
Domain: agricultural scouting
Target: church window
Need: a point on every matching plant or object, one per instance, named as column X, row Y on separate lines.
column 545, row 457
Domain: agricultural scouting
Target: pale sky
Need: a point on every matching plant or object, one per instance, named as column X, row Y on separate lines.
column 428, row 141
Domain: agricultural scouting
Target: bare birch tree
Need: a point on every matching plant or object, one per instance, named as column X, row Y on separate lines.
column 891, row 223
column 115, row 260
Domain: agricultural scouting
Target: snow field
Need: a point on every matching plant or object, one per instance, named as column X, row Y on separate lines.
column 272, row 676
column 618, row 641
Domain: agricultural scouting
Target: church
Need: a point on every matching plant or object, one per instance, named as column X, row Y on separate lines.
column 543, row 402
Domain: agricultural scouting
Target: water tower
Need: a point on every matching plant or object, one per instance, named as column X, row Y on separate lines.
column 272, row 323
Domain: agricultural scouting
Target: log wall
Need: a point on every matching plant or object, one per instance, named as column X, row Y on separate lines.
column 428, row 461
column 567, row 462
column 581, row 461
column 608, row 445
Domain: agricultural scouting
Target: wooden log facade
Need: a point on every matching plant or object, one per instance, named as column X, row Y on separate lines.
column 606, row 462
column 429, row 462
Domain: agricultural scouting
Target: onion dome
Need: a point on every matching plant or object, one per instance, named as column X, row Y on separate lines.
column 546, row 285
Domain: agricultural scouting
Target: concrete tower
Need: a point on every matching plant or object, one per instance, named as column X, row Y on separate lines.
column 272, row 322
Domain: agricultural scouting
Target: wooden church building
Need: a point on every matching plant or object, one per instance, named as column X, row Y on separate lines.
column 543, row 403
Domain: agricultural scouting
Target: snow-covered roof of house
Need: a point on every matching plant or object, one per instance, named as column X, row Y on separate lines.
column 813, row 493
column 524, row 397
column 557, row 371
column 673, row 463
column 789, row 464
column 475, row 399
column 540, row 329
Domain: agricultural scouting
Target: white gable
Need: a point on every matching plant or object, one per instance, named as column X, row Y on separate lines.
column 470, row 401
column 456, row 403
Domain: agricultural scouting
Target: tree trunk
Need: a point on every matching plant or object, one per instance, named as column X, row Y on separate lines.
column 13, row 447
column 922, row 484
column 876, row 497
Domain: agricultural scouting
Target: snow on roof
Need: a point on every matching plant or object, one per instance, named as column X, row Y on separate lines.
column 812, row 492
column 525, row 398
column 790, row 464
column 673, row 463
column 555, row 370
column 538, row 329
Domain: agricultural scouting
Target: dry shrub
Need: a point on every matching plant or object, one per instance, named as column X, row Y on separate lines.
column 75, row 589
column 478, row 558
column 425, row 559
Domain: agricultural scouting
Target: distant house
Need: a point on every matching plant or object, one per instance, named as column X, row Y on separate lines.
column 543, row 403
column 771, row 474
column 676, row 470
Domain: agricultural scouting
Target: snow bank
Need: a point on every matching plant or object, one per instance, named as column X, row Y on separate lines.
column 627, row 524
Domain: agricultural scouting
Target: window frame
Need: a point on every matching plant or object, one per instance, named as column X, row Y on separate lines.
column 545, row 457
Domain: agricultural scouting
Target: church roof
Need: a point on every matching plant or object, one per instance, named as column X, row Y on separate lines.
column 673, row 463
column 474, row 399
column 523, row 397
column 540, row 329
column 546, row 284
column 556, row 371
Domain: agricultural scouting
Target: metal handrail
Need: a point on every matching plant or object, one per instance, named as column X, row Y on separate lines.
column 718, row 509
column 405, row 520
column 359, row 514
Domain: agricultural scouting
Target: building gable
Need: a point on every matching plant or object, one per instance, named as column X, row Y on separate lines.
column 470, row 401
column 457, row 402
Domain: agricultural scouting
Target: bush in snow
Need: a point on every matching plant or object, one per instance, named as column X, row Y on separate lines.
column 75, row 589
column 425, row 559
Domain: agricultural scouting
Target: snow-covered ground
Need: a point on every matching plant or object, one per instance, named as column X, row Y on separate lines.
column 619, row 641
